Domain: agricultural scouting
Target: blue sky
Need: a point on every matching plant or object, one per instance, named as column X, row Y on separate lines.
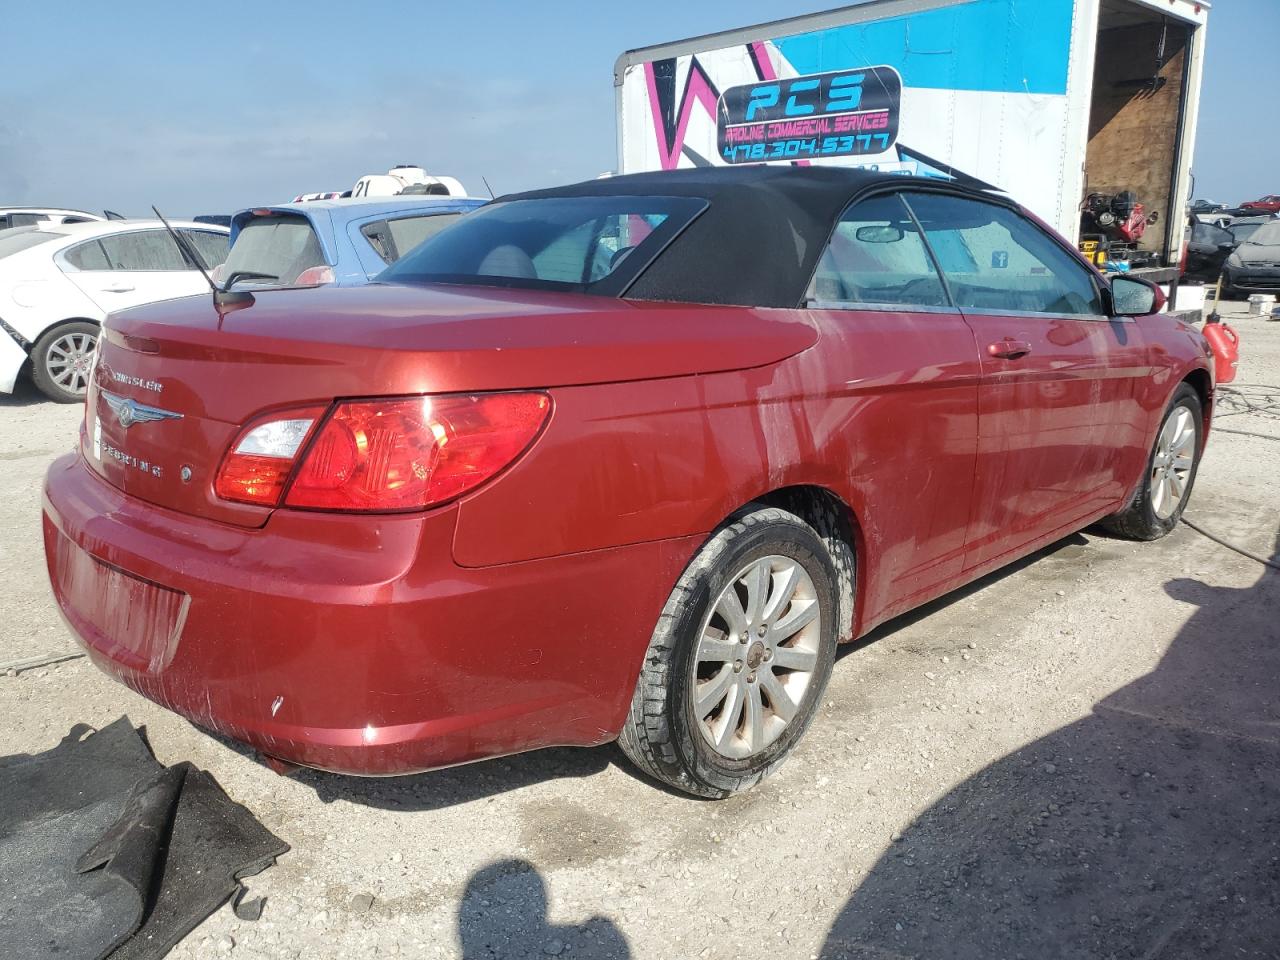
column 205, row 108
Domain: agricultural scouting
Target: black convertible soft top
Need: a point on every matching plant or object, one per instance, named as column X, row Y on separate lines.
column 760, row 237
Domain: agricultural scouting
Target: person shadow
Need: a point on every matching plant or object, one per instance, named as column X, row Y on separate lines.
column 1149, row 828
column 503, row 914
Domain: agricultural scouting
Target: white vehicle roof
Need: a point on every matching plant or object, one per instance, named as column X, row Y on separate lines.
column 69, row 233
column 53, row 212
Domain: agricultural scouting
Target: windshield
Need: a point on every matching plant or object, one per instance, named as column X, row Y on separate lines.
column 1267, row 235
column 1243, row 231
column 12, row 241
column 592, row 245
column 272, row 250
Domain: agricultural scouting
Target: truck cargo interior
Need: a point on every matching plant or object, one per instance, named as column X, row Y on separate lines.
column 1136, row 117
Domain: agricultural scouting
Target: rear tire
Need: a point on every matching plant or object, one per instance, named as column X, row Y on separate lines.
column 1157, row 505
column 61, row 360
column 713, row 713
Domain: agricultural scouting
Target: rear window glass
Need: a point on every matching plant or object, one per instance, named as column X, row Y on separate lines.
column 392, row 239
column 16, row 240
column 408, row 232
column 272, row 251
column 586, row 244
column 87, row 256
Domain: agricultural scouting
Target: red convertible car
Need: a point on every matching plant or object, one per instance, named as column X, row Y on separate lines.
column 620, row 460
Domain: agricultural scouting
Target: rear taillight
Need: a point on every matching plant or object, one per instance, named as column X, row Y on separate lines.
column 260, row 461
column 314, row 277
column 405, row 453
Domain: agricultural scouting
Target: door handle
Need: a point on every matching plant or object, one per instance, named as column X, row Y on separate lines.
column 1009, row 348
column 118, row 288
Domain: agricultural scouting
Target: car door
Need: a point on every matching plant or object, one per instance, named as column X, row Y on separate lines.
column 1207, row 250
column 908, row 406
column 1056, row 409
column 130, row 268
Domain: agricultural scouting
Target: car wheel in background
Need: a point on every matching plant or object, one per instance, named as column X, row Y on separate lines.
column 1166, row 486
column 739, row 659
column 62, row 358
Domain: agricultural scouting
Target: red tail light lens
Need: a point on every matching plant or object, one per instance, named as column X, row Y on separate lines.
column 413, row 452
column 405, row 453
column 260, row 461
column 314, row 277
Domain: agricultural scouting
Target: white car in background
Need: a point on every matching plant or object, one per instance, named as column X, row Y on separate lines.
column 59, row 282
column 11, row 217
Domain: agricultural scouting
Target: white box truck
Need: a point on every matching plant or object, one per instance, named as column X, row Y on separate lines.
column 1050, row 101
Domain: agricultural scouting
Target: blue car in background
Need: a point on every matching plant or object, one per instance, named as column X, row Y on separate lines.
column 342, row 242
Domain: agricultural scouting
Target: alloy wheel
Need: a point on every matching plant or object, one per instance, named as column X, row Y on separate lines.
column 756, row 656
column 1174, row 458
column 69, row 360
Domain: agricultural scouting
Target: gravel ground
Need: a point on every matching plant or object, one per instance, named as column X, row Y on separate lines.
column 1075, row 757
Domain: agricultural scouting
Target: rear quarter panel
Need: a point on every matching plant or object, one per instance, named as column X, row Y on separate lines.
column 35, row 294
column 629, row 462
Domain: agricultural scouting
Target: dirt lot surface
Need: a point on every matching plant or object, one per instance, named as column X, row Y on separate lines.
column 1077, row 757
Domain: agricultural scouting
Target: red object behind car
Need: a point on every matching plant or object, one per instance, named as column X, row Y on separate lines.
column 496, row 507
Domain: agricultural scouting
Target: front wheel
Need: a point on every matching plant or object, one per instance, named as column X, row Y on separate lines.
column 1157, row 505
column 61, row 360
column 739, row 659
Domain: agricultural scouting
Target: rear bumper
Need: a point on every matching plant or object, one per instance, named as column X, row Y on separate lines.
column 352, row 644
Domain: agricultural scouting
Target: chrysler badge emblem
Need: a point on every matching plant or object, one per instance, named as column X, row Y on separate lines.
column 128, row 411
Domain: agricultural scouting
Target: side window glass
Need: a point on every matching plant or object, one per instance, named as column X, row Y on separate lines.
column 143, row 250
column 408, row 232
column 995, row 259
column 876, row 256
column 379, row 238
column 211, row 247
column 87, row 256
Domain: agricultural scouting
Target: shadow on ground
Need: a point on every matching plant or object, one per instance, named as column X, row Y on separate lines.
column 24, row 394
column 1149, row 829
column 504, row 914
column 441, row 789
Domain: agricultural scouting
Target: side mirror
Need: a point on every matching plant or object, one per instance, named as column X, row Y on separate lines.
column 876, row 234
column 1131, row 297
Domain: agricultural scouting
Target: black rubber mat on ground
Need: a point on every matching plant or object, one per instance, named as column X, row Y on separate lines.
column 105, row 852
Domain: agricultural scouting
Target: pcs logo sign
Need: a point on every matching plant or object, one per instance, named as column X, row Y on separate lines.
column 840, row 114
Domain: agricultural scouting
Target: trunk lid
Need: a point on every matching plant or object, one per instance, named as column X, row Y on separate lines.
column 175, row 382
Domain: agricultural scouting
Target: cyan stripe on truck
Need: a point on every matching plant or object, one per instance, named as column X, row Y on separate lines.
column 1004, row 46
